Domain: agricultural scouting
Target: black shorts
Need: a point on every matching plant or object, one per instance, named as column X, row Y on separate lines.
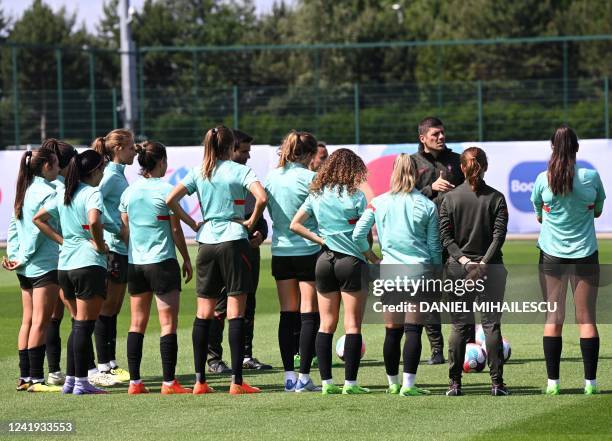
column 158, row 278
column 301, row 268
column 224, row 264
column 83, row 283
column 338, row 272
column 49, row 278
column 117, row 268
column 583, row 267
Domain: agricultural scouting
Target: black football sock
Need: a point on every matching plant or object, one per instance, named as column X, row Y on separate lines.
column 552, row 353
column 392, row 350
column 199, row 338
column 286, row 340
column 590, row 356
column 54, row 345
column 308, row 334
column 168, row 348
column 323, row 345
column 134, row 353
column 236, row 341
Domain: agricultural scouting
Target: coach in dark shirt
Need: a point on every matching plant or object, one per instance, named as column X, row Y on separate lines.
column 438, row 172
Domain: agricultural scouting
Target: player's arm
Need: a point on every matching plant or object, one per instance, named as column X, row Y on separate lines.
column 447, row 233
column 41, row 220
column 261, row 199
column 362, row 234
column 12, row 239
column 601, row 196
column 94, row 219
column 433, row 238
column 125, row 227
column 500, row 228
column 181, row 245
column 173, row 202
column 297, row 226
column 10, row 262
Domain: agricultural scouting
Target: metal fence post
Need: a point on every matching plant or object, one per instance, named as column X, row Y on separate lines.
column 565, row 80
column 317, row 73
column 439, row 76
column 606, row 108
column 480, row 118
column 15, row 96
column 194, row 87
column 356, row 111
column 114, row 95
column 92, row 93
column 142, row 92
column 235, row 105
column 60, row 91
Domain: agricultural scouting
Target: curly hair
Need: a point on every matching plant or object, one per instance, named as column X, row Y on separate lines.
column 343, row 170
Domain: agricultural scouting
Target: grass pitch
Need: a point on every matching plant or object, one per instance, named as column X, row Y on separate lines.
column 273, row 414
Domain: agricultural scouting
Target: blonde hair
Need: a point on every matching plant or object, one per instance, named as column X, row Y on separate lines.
column 297, row 146
column 403, row 177
column 106, row 145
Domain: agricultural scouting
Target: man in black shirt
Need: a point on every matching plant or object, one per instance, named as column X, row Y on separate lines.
column 438, row 172
column 240, row 154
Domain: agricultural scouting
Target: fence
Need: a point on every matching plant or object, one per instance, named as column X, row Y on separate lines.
column 344, row 113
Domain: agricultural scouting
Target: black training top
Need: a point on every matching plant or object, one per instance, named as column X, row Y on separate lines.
column 474, row 224
column 261, row 225
column 428, row 169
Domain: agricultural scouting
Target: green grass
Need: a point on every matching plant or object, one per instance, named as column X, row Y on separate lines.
column 277, row 415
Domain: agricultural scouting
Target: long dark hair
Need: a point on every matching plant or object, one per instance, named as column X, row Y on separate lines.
column 81, row 166
column 63, row 150
column 474, row 162
column 31, row 165
column 217, row 144
column 150, row 153
column 562, row 161
column 344, row 168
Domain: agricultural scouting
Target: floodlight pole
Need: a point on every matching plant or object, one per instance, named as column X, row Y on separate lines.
column 128, row 66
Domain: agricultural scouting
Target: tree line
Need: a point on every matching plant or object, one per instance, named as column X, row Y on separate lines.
column 182, row 23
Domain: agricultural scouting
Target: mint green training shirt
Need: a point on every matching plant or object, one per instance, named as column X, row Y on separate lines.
column 407, row 225
column 568, row 222
column 336, row 215
column 37, row 253
column 222, row 200
column 151, row 239
column 77, row 250
column 287, row 189
column 112, row 186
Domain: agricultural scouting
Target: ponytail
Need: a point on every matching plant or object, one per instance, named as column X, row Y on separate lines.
column 150, row 153
column 99, row 146
column 80, row 166
column 562, row 161
column 24, row 179
column 474, row 163
column 297, row 146
column 217, row 144
column 31, row 165
column 106, row 145
column 63, row 150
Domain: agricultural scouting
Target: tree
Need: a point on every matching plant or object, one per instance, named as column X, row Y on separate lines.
column 40, row 31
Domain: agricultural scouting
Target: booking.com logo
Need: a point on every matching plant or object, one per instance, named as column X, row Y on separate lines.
column 521, row 181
